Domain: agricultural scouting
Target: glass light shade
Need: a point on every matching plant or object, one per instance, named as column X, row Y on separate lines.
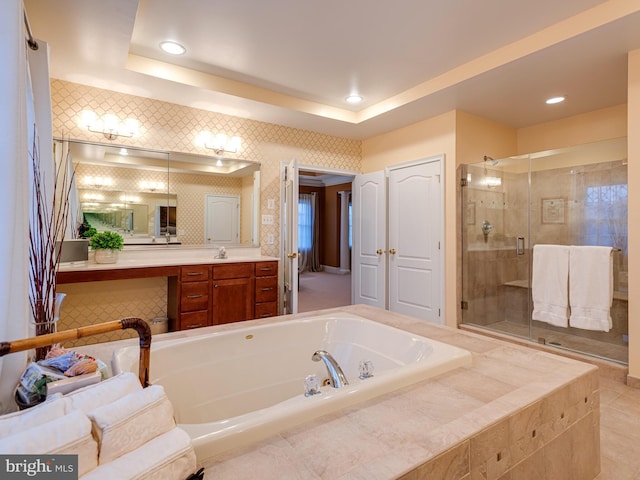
column 88, row 118
column 110, row 123
column 131, row 125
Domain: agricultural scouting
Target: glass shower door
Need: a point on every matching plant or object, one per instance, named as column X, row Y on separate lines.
column 495, row 251
column 570, row 196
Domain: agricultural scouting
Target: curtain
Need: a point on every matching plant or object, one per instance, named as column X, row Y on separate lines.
column 14, row 197
column 308, row 233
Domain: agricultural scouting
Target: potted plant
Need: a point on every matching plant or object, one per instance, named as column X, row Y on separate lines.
column 107, row 245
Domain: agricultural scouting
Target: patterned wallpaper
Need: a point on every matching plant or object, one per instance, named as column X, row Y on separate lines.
column 171, row 127
column 167, row 126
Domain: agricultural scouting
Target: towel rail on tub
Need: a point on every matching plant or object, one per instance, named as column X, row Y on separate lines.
column 139, row 325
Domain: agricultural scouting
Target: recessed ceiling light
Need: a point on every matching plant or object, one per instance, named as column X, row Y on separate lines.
column 354, row 99
column 552, row 100
column 173, row 48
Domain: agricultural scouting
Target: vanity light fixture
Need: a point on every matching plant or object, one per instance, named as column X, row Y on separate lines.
column 97, row 182
column 126, row 198
column 554, row 100
column 354, row 99
column 219, row 143
column 93, row 196
column 109, row 125
column 173, row 48
column 151, row 186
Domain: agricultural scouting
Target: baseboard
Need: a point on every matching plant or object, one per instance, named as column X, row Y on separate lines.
column 335, row 270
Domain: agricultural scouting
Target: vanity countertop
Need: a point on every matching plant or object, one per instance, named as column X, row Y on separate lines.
column 152, row 262
column 167, row 257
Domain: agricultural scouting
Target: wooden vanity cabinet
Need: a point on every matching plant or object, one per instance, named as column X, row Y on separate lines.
column 189, row 300
column 266, row 289
column 232, row 288
column 203, row 295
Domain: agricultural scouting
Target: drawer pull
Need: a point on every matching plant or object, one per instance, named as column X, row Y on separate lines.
column 265, row 315
column 193, row 296
column 266, row 289
column 266, row 269
column 194, row 274
column 198, row 325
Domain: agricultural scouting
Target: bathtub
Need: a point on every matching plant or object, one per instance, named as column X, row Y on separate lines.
column 234, row 387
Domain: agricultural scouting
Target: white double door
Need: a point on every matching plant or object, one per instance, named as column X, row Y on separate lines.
column 397, row 239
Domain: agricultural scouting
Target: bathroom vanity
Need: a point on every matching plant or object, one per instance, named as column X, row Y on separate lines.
column 201, row 290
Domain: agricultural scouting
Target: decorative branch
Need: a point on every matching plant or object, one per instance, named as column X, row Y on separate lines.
column 48, row 223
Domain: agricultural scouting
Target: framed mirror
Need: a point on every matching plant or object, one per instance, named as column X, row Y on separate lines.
column 158, row 197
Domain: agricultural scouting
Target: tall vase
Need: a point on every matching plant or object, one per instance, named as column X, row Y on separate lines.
column 47, row 321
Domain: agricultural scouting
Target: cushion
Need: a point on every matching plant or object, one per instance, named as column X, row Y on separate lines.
column 133, row 420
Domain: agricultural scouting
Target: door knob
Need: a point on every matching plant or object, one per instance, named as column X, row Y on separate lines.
column 379, row 251
column 292, row 255
column 392, row 251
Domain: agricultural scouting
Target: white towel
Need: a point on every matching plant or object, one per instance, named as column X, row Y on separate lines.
column 591, row 287
column 550, row 279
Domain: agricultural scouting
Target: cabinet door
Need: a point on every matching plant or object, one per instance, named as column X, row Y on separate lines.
column 232, row 300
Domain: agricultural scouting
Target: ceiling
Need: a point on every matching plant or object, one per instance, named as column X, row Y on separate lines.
column 293, row 62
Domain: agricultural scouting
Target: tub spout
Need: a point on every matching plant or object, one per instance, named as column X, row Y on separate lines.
column 338, row 379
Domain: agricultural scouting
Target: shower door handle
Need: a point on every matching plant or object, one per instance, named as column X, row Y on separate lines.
column 519, row 245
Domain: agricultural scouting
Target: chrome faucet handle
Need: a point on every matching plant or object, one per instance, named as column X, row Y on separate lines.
column 311, row 386
column 366, row 369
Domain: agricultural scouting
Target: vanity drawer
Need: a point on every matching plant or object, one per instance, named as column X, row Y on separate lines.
column 266, row 289
column 234, row 270
column 194, row 296
column 194, row 320
column 194, row 273
column 266, row 269
column 268, row 309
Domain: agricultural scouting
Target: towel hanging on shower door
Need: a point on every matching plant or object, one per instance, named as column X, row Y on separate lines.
column 550, row 279
column 591, row 287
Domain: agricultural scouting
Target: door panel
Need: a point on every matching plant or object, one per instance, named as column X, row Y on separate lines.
column 369, row 240
column 415, row 232
column 222, row 219
column 290, row 247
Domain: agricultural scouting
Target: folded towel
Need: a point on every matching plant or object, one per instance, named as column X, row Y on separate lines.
column 126, row 424
column 169, row 456
column 591, row 287
column 550, row 279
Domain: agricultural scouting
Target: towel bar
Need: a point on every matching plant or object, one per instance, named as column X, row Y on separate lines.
column 139, row 325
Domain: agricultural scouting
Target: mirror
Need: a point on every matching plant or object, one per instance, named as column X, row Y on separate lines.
column 158, row 197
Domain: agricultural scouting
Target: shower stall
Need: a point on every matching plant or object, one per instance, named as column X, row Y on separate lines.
column 569, row 196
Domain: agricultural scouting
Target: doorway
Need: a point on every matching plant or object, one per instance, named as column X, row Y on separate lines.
column 318, row 270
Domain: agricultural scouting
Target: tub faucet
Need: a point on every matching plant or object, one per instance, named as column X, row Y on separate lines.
column 338, row 379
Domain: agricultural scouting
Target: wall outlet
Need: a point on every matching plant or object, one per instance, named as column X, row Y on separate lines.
column 271, row 204
column 270, row 239
column 181, row 233
column 267, row 219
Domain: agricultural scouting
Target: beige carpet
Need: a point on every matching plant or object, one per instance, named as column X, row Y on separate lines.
column 320, row 290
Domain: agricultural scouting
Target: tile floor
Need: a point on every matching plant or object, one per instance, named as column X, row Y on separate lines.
column 619, row 430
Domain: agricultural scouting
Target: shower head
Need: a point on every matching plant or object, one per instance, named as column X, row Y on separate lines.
column 493, row 161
